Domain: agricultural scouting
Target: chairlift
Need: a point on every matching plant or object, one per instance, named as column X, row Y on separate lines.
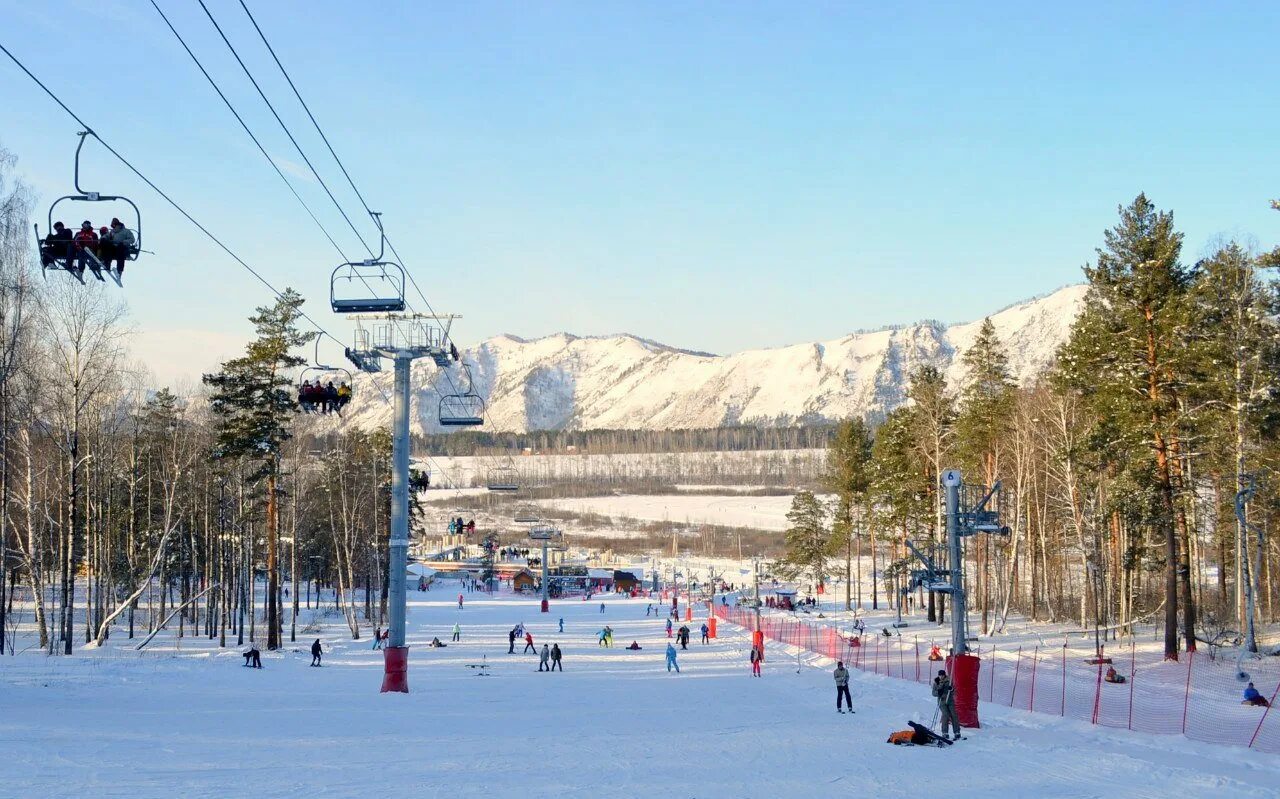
column 373, row 285
column 63, row 253
column 464, row 409
column 504, row 479
column 312, row 394
column 419, row 479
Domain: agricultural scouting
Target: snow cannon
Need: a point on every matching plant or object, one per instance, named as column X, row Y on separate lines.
column 395, row 677
column 964, row 678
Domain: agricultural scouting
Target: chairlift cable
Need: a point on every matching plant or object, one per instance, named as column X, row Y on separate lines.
column 174, row 203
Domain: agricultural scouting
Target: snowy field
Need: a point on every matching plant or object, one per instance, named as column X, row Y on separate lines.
column 192, row 722
column 761, row 513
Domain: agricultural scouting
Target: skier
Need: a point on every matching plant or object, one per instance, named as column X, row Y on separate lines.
column 756, row 658
column 603, row 637
column 608, row 636
column 706, row 634
column 945, row 693
column 561, row 624
column 544, row 659
column 648, row 611
column 842, row 687
column 528, row 644
column 315, row 653
column 683, row 637
column 457, row 632
column 555, row 658
column 602, row 607
column 459, row 601
column 671, row 659
column 511, row 641
column 669, row 627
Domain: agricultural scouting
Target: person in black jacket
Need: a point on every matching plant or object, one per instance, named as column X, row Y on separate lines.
column 57, row 245
column 315, row 653
column 555, row 658
column 511, row 641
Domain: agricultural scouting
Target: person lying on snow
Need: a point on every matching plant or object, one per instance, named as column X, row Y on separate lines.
column 635, row 645
column 1111, row 675
column 1252, row 697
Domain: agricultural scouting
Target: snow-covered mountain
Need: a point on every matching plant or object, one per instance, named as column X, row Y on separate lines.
column 622, row 381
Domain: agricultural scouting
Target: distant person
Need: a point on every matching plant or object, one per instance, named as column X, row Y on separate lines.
column 757, row 657
column 457, row 632
column 253, row 658
column 935, row 653
column 841, row 675
column 436, row 643
column 315, row 653
column 377, row 637
column 648, row 611
column 1112, row 676
column 1252, row 697
column 670, row 626
column 511, row 641
column 57, row 245
column 544, row 659
column 528, row 644
column 344, row 396
column 683, row 637
column 706, row 634
column 635, row 646
column 555, row 658
column 671, row 658
column 86, row 246
column 561, row 624
column 120, row 244
column 459, row 601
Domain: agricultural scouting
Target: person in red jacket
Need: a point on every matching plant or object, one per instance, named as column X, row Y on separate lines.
column 86, row 242
column 528, row 643
column 756, row 658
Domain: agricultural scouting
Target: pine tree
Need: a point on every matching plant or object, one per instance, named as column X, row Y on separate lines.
column 848, row 476
column 983, row 425
column 899, row 490
column 933, row 428
column 807, row 540
column 1127, row 356
column 255, row 402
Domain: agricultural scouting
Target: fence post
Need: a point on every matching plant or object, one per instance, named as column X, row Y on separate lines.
column 1063, row 711
column 1035, row 659
column 902, row 666
column 1186, row 698
column 1017, row 669
column 917, row 658
column 993, row 675
column 1133, row 670
column 1264, row 715
column 1097, row 686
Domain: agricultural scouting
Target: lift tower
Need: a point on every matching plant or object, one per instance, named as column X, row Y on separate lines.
column 403, row 338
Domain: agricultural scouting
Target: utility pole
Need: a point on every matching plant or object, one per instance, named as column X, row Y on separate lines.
column 403, row 338
column 959, row 612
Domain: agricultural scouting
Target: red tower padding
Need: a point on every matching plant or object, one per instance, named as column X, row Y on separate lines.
column 711, row 627
column 757, row 640
column 688, row 612
column 964, row 676
column 546, row 606
column 396, row 676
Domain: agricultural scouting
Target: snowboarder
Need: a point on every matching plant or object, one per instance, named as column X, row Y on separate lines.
column 528, row 644
column 756, row 658
column 841, row 675
column 671, row 659
column 945, row 693
column 253, row 658
column 555, row 658
column 706, row 631
column 544, row 659
column 457, row 632
column 511, row 641
column 315, row 653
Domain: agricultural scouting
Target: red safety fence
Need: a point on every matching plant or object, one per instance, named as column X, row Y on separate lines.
column 1197, row 696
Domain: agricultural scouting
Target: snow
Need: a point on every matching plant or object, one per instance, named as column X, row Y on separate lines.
column 762, row 513
column 192, row 722
column 564, row 381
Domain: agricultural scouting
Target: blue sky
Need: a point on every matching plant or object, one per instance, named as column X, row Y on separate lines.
column 717, row 176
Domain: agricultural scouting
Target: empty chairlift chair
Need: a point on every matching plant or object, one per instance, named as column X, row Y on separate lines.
column 504, row 478
column 370, row 286
column 462, row 409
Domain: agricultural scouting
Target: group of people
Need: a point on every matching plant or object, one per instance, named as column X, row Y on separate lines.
column 456, row 526
column 606, row 636
column 110, row 245
column 326, row 398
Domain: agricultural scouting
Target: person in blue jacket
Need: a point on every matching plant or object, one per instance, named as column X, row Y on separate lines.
column 706, row 634
column 1252, row 697
column 671, row 659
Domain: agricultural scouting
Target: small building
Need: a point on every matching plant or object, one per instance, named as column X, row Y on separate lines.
column 523, row 581
column 626, row 582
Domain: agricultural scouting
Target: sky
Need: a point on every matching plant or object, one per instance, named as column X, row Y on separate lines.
column 717, row 176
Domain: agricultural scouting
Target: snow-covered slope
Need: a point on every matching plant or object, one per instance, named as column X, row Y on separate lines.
column 623, row 381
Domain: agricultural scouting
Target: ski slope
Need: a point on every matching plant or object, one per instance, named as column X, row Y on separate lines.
column 192, row 722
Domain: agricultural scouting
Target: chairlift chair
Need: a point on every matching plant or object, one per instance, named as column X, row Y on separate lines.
column 320, row 370
column 462, row 409
column 67, row 259
column 373, row 285
column 504, row 479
